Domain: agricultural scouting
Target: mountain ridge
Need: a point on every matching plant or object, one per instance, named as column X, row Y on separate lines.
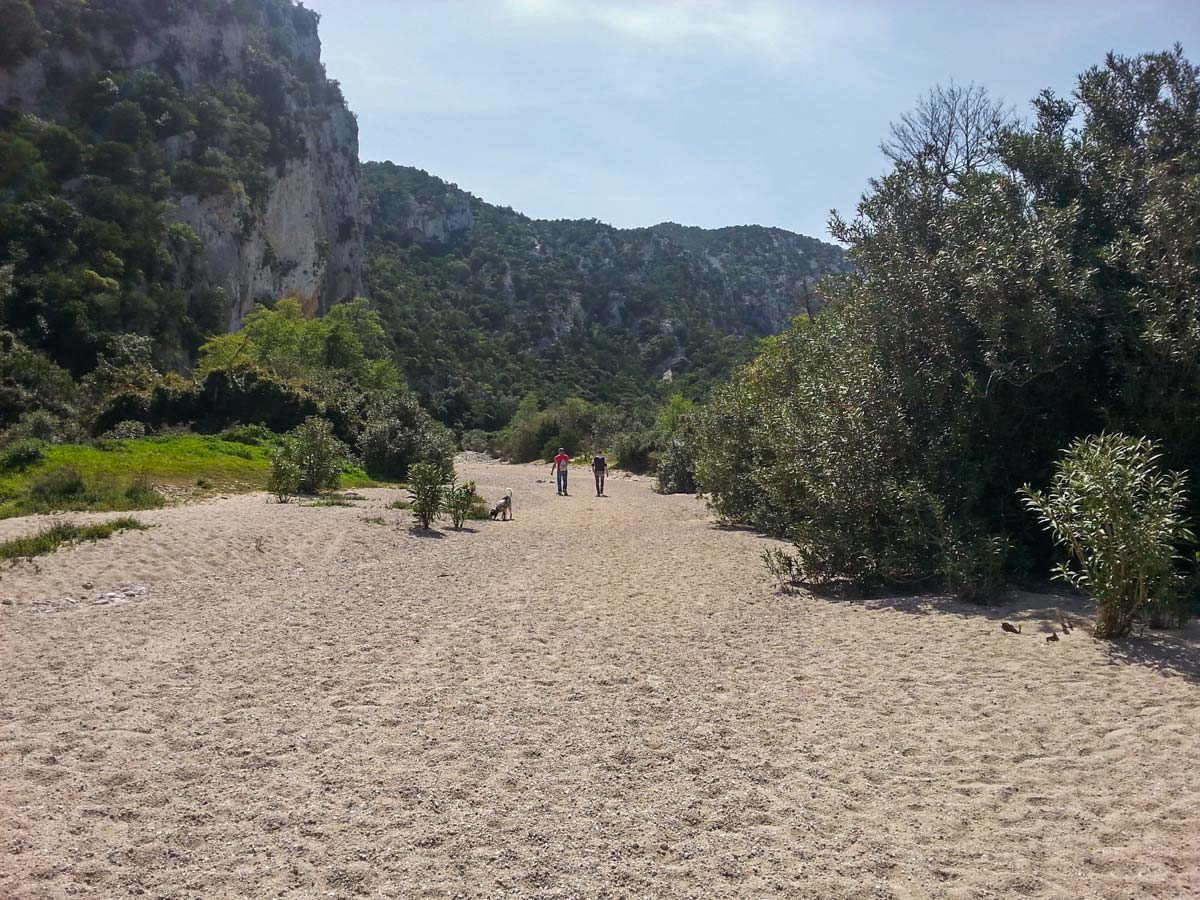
column 613, row 312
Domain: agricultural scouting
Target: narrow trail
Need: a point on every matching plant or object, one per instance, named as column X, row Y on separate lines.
column 601, row 698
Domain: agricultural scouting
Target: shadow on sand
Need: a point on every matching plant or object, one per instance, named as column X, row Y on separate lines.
column 418, row 531
column 1173, row 653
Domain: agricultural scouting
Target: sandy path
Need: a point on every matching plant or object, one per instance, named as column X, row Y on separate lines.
column 603, row 698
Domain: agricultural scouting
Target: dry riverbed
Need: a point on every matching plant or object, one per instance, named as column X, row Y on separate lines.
column 602, row 698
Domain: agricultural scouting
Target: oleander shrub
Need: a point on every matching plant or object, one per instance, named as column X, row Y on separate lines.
column 1119, row 517
column 308, row 460
column 461, row 501
column 427, row 483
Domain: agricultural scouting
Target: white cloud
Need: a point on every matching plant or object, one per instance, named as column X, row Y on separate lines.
column 772, row 31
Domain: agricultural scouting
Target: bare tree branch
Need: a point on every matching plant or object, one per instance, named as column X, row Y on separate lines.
column 951, row 133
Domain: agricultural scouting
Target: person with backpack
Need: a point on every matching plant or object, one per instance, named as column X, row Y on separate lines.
column 599, row 469
column 561, row 462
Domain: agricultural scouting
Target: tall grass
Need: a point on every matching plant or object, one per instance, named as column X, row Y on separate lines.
column 50, row 539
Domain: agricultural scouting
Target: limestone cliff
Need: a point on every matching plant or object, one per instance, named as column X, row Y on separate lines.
column 285, row 218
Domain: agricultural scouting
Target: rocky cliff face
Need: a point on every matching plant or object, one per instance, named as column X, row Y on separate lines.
column 291, row 228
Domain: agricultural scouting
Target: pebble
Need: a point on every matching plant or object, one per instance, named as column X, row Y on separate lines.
column 7, row 601
column 87, row 585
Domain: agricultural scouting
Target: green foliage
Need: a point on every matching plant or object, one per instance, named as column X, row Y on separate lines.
column 50, row 539
column 308, row 460
column 31, row 384
column 676, row 469
column 784, row 567
column 460, row 501
column 403, row 434
column 22, row 454
column 427, row 484
column 1120, row 519
column 575, row 425
column 477, row 441
column 636, row 451
column 502, row 307
column 675, row 415
column 84, row 204
column 22, row 34
column 975, row 567
column 126, row 430
column 250, row 435
column 1002, row 307
column 66, row 487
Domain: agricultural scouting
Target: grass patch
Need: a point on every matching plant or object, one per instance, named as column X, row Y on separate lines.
column 65, row 488
column 400, row 504
column 111, row 469
column 50, row 539
column 375, row 520
column 330, row 501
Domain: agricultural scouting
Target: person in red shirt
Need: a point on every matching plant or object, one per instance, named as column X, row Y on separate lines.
column 561, row 462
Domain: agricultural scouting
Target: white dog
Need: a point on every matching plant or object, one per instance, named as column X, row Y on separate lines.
column 503, row 509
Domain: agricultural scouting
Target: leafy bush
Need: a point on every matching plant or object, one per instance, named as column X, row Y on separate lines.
column 477, row 441
column 284, row 480
column 22, row 454
column 390, row 447
column 636, row 451
column 1119, row 517
column 783, row 567
column 250, row 435
column 58, row 488
column 127, row 430
column 43, row 425
column 309, row 459
column 676, row 470
column 1038, row 289
column 427, row 483
column 461, row 500
column 975, row 568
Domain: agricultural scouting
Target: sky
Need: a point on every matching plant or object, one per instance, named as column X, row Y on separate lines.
column 704, row 112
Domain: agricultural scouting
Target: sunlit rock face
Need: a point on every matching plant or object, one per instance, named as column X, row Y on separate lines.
column 299, row 232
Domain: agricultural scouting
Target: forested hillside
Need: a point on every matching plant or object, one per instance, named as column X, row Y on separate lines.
column 486, row 305
column 163, row 167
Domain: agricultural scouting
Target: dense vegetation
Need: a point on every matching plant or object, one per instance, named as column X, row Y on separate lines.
column 88, row 177
column 123, row 112
column 487, row 307
column 1019, row 285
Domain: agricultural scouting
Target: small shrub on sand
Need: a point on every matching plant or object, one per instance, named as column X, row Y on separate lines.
column 783, row 567
column 461, row 501
column 427, row 483
column 50, row 539
column 309, row 459
column 1120, row 519
column 973, row 567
